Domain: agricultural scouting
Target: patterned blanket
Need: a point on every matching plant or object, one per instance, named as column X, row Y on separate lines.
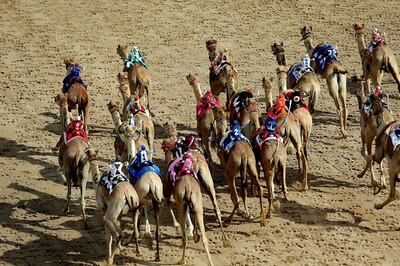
column 232, row 136
column 74, row 130
column 296, row 71
column 325, row 54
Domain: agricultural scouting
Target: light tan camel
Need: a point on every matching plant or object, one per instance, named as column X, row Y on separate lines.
column 384, row 148
column 202, row 170
column 307, row 83
column 142, row 121
column 78, row 96
column 335, row 76
column 371, row 124
column 123, row 87
column 122, row 200
column 226, row 80
column 273, row 160
column 61, row 100
column 138, row 76
column 268, row 87
column 116, row 117
column 149, row 186
column 290, row 127
column 205, row 121
column 239, row 159
column 382, row 60
column 79, row 165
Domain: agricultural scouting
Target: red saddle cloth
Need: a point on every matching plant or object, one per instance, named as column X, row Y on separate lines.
column 74, row 130
column 206, row 102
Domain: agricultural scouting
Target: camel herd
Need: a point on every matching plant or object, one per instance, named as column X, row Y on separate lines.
column 244, row 138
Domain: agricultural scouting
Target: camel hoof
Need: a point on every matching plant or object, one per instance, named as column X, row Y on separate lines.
column 196, row 238
column 227, row 243
column 263, row 222
column 148, row 235
column 378, row 206
column 157, row 259
column 183, row 262
column 138, row 253
column 110, row 262
column 178, row 232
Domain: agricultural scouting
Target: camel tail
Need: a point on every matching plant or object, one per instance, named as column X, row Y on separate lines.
column 243, row 169
column 157, row 191
column 130, row 200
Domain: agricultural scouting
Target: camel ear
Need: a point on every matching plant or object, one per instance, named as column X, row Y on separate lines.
column 281, row 43
column 311, row 28
column 362, row 25
column 271, row 79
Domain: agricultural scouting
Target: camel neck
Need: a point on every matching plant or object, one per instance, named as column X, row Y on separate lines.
column 268, row 97
column 64, row 117
column 124, row 89
column 116, row 119
column 309, row 45
column 197, row 90
column 360, row 42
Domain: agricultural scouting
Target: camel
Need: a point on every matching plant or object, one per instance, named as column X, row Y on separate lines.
column 273, row 159
column 123, row 88
column 138, row 76
column 116, row 117
column 187, row 195
column 279, row 52
column 307, row 83
column 241, row 158
column 295, row 126
column 148, row 185
column 334, row 74
column 223, row 76
column 112, row 206
column 204, row 114
column 371, row 123
column 62, row 101
column 202, row 170
column 79, row 165
column 385, row 148
column 374, row 63
column 77, row 94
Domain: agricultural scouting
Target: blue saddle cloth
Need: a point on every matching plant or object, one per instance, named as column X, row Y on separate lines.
column 73, row 76
column 231, row 137
column 138, row 171
column 324, row 55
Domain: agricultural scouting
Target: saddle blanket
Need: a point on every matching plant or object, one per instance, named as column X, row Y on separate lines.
column 229, row 139
column 207, row 102
column 324, row 55
column 395, row 137
column 135, row 57
column 75, row 130
column 296, row 71
column 264, row 136
column 114, row 175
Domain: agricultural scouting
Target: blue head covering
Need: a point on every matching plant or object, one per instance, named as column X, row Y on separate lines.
column 270, row 125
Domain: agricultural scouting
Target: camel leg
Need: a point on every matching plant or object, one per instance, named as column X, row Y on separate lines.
column 394, row 70
column 66, row 209
column 305, row 173
column 284, row 187
column 382, row 182
column 253, row 175
column 83, row 203
column 110, row 257
column 189, row 225
column 243, row 193
column 198, row 212
column 369, row 152
column 392, row 193
column 156, row 208
column 342, row 96
column 230, row 179
column 171, row 211
column 333, row 87
column 181, row 215
column 270, row 185
column 367, row 85
column 136, row 230
column 147, row 232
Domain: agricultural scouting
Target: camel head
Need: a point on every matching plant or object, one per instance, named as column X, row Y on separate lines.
column 132, row 134
column 122, row 78
column 254, row 110
column 306, row 32
column 358, row 29
column 122, row 51
column 69, row 62
column 267, row 84
column 167, row 146
column 376, row 104
column 93, row 169
column 192, row 78
column 221, row 121
column 112, row 107
column 211, row 46
column 279, row 52
column 170, row 130
column 281, row 72
column 61, row 99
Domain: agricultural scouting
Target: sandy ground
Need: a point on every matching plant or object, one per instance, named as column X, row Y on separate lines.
column 333, row 223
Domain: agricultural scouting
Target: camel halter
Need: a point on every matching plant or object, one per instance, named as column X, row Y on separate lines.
column 193, row 81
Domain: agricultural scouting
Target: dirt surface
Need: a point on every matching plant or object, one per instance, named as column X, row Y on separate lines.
column 333, row 223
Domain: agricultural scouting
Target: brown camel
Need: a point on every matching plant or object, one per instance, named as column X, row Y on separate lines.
column 223, row 75
column 359, row 89
column 273, row 158
column 373, row 117
column 78, row 96
column 279, row 52
column 290, row 127
column 123, row 199
column 116, row 117
column 374, row 64
column 187, row 195
column 149, row 186
column 239, row 158
column 335, row 76
column 204, row 115
column 138, row 76
column 385, row 148
column 307, row 82
column 79, row 165
column 202, row 170
column 123, row 87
